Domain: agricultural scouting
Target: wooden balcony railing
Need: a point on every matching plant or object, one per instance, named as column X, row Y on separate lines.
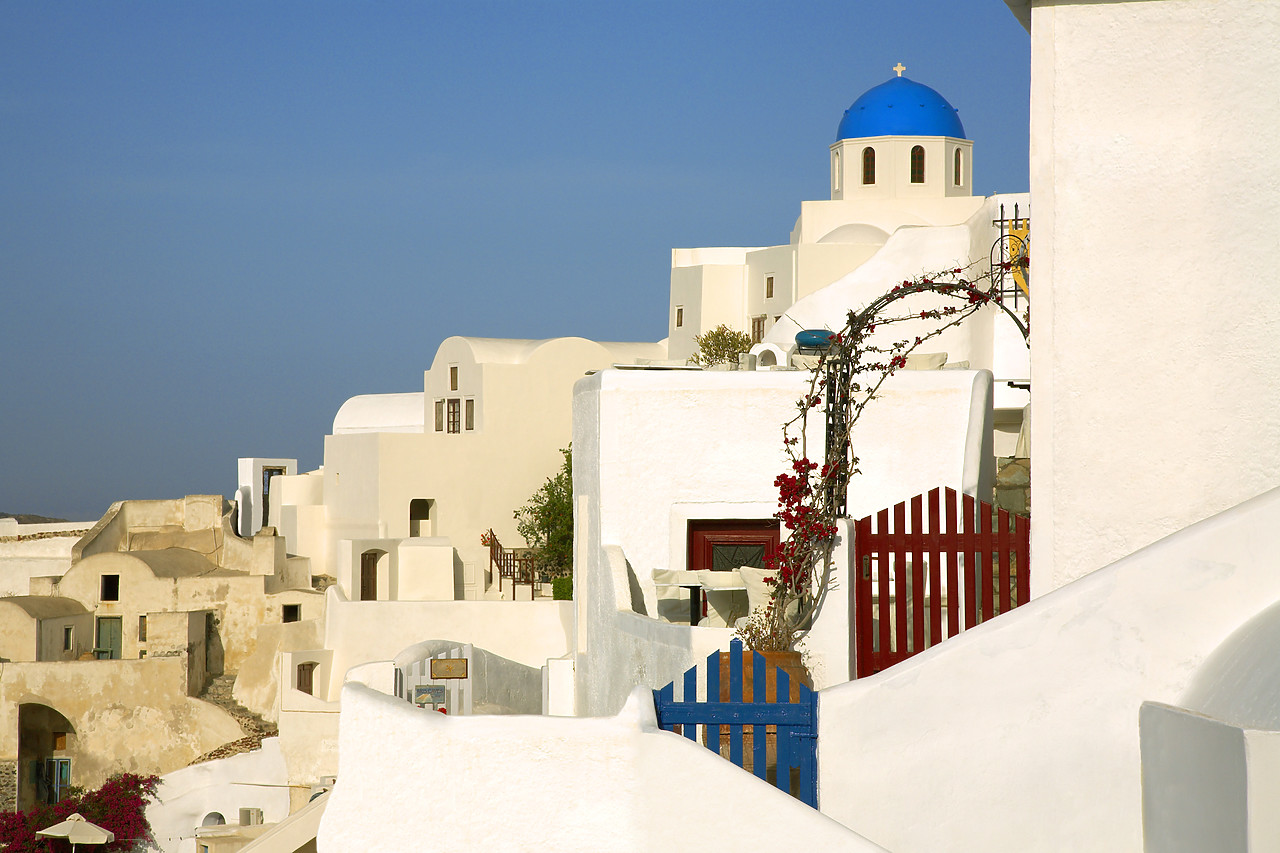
column 506, row 563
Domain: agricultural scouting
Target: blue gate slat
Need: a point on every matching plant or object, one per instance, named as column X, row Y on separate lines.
column 690, row 695
column 713, row 696
column 759, row 736
column 735, row 696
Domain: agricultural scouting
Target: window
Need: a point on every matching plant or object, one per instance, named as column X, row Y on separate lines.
column 68, row 638
column 57, row 778
column 306, row 677
column 293, row 613
column 835, row 172
column 439, row 415
column 59, row 741
column 110, row 590
column 957, row 164
column 757, row 329
column 679, row 316
column 725, row 544
column 454, row 418
column 453, row 378
column 868, row 165
column 471, row 414
column 917, row 164
column 142, row 629
column 768, row 287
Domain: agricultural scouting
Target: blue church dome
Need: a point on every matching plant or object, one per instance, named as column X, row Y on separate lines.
column 900, row 107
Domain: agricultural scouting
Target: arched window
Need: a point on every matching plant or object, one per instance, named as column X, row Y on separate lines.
column 868, row 165
column 835, row 172
column 917, row 164
column 958, row 180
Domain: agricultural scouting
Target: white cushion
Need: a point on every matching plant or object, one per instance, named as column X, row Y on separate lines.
column 926, row 360
column 759, row 590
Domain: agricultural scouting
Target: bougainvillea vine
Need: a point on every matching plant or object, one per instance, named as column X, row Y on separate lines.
column 859, row 359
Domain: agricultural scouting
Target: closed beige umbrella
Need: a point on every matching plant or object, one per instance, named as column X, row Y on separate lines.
column 78, row 831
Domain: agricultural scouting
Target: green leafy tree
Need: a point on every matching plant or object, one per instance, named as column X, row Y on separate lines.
column 720, row 345
column 546, row 522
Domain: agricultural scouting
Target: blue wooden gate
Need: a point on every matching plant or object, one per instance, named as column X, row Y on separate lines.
column 785, row 713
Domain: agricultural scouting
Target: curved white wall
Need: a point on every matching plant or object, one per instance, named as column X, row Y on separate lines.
column 550, row 783
column 1022, row 734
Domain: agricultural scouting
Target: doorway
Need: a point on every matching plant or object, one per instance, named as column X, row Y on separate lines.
column 369, row 575
column 109, row 640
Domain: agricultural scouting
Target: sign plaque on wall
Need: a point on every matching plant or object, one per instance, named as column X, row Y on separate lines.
column 429, row 694
column 449, row 668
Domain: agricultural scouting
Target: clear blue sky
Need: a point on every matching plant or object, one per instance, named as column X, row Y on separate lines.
column 219, row 221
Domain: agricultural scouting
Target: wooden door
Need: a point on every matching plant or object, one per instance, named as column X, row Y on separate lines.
column 109, row 642
column 369, row 576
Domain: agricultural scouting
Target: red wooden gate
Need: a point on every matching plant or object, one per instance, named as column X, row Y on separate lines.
column 903, row 599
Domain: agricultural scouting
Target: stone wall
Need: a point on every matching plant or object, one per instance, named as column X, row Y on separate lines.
column 8, row 786
column 1013, row 484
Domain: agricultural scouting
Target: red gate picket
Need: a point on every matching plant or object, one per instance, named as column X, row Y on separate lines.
column 903, row 596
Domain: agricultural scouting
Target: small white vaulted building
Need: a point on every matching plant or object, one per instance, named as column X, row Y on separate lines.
column 411, row 481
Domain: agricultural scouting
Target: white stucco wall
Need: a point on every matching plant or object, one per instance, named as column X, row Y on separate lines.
column 562, row 784
column 185, row 797
column 249, row 478
column 23, row 557
column 1034, row 716
column 529, row 632
column 654, row 449
column 1155, row 184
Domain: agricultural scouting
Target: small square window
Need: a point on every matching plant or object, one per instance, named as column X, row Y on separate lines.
column 142, row 629
column 110, row 588
column 679, row 316
column 471, row 414
column 68, row 638
column 453, row 378
column 768, row 287
column 59, row 741
column 439, row 415
column 293, row 613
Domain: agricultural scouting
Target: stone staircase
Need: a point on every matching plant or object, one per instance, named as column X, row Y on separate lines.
column 218, row 692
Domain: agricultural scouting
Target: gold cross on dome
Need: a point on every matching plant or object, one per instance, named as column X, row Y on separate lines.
column 899, row 68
